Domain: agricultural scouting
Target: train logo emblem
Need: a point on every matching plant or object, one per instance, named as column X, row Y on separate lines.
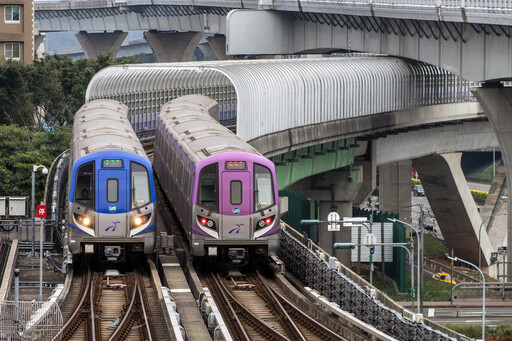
column 237, row 228
column 236, row 210
column 112, row 208
column 113, row 226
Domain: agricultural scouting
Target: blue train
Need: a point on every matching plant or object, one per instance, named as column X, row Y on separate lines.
column 112, row 205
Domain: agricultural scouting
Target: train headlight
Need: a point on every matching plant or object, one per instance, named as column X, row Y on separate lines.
column 140, row 220
column 206, row 222
column 265, row 222
column 84, row 220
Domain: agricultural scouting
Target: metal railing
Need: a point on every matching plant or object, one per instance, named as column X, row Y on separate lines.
column 445, row 268
column 29, row 320
column 342, row 286
column 494, row 290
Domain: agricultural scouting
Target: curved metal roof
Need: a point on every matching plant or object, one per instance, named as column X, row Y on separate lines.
column 188, row 121
column 268, row 96
column 103, row 125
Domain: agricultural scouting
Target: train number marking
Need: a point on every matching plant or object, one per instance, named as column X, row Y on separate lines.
column 237, row 228
column 113, row 226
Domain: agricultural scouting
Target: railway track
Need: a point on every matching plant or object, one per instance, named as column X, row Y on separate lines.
column 254, row 311
column 112, row 306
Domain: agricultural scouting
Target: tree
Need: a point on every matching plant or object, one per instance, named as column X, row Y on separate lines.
column 20, row 149
column 16, row 104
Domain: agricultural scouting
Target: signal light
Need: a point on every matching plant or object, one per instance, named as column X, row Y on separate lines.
column 265, row 222
column 206, row 222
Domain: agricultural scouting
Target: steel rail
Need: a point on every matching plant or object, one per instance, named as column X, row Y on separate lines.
column 92, row 316
column 226, row 308
column 143, row 308
column 75, row 319
column 261, row 326
column 121, row 330
column 286, row 321
column 298, row 314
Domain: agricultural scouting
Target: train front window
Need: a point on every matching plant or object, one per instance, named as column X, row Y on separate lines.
column 235, row 192
column 140, row 193
column 112, row 190
column 208, row 184
column 84, row 185
column 263, row 187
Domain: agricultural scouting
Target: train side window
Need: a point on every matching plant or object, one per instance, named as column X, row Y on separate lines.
column 140, row 193
column 112, row 190
column 208, row 184
column 235, row 190
column 84, row 185
column 263, row 187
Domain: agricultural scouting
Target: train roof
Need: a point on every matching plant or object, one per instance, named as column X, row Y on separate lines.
column 103, row 125
column 188, row 120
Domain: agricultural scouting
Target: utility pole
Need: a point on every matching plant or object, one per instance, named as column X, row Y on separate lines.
column 420, row 261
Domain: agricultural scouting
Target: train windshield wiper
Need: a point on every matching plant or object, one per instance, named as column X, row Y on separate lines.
column 133, row 196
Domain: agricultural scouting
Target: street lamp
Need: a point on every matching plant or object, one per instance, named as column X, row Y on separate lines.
column 480, row 234
column 420, row 247
column 334, row 220
column 34, row 170
column 455, row 259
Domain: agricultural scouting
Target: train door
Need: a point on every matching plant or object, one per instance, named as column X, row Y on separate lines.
column 236, row 204
column 113, row 200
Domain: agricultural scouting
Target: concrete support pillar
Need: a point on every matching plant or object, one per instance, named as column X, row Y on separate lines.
column 368, row 162
column 335, row 191
column 96, row 44
column 497, row 104
column 395, row 189
column 173, row 46
column 453, row 206
column 38, row 40
column 218, row 44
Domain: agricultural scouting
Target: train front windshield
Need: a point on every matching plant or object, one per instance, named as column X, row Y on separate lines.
column 208, row 184
column 263, row 187
column 140, row 191
column 84, row 185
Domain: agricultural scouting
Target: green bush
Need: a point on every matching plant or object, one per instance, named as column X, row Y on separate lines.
column 482, row 195
column 415, row 181
column 475, row 330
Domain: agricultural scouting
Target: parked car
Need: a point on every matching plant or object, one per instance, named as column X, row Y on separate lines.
column 443, row 277
column 418, row 191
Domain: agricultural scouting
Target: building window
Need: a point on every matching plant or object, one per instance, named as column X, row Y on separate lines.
column 12, row 51
column 12, row 14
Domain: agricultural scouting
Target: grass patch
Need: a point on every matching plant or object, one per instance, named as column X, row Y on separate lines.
column 433, row 247
column 486, row 174
column 475, row 330
column 433, row 290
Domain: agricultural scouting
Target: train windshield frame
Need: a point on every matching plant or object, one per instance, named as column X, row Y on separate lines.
column 85, row 185
column 140, row 191
column 263, row 187
column 207, row 189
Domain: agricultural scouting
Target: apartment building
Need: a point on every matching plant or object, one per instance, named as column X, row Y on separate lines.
column 16, row 30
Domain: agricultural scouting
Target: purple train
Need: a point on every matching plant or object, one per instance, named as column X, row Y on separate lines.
column 223, row 191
